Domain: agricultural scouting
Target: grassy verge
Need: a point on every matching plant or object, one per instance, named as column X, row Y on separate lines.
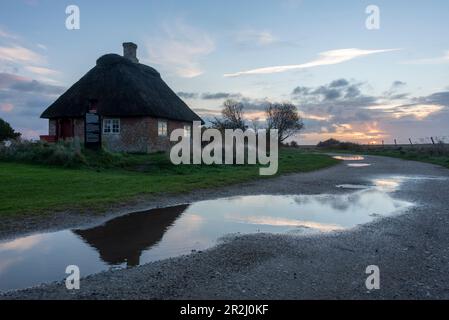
column 428, row 155
column 442, row 160
column 38, row 189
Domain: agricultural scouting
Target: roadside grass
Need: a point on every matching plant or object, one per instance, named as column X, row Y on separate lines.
column 437, row 155
column 27, row 189
column 442, row 160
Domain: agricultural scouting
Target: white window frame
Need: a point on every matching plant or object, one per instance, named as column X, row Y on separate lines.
column 108, row 126
column 187, row 131
column 162, row 128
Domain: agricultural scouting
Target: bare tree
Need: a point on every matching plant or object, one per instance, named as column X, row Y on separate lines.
column 285, row 118
column 232, row 116
column 255, row 124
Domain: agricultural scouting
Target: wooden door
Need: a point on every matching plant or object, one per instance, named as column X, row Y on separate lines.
column 65, row 129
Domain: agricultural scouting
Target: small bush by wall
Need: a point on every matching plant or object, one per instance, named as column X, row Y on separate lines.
column 62, row 154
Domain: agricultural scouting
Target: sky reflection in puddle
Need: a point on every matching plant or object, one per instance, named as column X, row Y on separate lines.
column 349, row 158
column 358, row 165
column 386, row 184
column 142, row 237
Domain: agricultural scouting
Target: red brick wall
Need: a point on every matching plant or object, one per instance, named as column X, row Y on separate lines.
column 158, row 143
column 140, row 135
column 78, row 129
column 133, row 136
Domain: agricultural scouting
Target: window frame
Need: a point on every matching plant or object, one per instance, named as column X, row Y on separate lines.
column 109, row 124
column 162, row 131
column 189, row 131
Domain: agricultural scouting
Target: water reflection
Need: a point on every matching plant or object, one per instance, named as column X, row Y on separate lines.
column 390, row 184
column 122, row 240
column 349, row 158
column 142, row 237
column 284, row 222
column 358, row 165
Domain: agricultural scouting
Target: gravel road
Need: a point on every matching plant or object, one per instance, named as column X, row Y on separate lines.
column 410, row 249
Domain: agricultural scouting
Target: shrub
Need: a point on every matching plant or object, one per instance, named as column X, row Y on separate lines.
column 63, row 154
column 72, row 155
column 328, row 143
column 335, row 144
column 7, row 132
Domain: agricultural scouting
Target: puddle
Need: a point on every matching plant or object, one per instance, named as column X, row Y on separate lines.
column 353, row 158
column 387, row 184
column 349, row 158
column 352, row 186
column 358, row 165
column 143, row 237
column 393, row 183
column 390, row 184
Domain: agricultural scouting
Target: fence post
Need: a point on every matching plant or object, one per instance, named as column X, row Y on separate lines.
column 433, row 141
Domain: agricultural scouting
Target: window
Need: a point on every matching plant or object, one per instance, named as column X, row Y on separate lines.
column 187, row 131
column 111, row 126
column 162, row 128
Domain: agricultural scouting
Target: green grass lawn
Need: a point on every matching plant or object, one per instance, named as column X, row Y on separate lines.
column 36, row 189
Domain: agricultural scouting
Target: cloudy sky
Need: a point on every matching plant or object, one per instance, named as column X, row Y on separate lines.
column 349, row 82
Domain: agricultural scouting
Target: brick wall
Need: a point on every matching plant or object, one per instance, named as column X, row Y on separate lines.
column 133, row 136
column 140, row 135
column 78, row 129
column 52, row 127
column 157, row 143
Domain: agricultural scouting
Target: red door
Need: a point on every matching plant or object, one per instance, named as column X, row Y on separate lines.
column 65, row 129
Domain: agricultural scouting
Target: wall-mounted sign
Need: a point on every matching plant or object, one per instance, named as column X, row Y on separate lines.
column 92, row 131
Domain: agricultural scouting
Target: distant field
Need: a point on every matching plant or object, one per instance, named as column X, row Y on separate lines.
column 37, row 189
column 435, row 154
column 410, row 154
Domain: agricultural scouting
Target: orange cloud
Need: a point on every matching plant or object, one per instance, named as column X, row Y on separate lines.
column 365, row 133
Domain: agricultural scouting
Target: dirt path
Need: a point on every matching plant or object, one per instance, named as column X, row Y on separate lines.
column 411, row 250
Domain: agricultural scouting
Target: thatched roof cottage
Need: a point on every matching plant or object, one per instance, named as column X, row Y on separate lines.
column 136, row 109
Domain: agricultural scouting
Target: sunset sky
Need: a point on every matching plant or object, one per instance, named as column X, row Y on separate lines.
column 348, row 82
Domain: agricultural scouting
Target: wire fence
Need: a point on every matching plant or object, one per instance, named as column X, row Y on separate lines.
column 433, row 140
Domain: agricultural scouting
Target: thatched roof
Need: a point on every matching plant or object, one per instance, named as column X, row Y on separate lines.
column 121, row 88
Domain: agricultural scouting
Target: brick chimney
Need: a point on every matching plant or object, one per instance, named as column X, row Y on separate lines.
column 130, row 51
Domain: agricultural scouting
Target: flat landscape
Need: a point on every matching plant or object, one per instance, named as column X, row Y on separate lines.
column 115, row 179
column 213, row 158
column 410, row 246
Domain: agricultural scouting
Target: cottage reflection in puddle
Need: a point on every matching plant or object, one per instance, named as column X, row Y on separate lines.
column 123, row 239
column 143, row 237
